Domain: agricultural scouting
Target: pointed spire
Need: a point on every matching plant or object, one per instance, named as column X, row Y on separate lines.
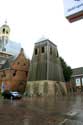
column 6, row 21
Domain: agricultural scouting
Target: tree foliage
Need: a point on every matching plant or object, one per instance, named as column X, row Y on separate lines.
column 67, row 71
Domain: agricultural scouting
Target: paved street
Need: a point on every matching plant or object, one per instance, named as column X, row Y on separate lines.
column 42, row 111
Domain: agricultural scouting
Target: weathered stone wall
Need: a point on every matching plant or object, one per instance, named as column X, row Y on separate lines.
column 45, row 64
column 45, row 88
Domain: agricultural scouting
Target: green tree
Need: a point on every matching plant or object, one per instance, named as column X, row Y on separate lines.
column 67, row 71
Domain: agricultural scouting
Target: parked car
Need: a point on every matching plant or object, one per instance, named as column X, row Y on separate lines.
column 11, row 95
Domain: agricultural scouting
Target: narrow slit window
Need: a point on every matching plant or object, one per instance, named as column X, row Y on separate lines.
column 36, row 52
column 43, row 49
column 57, row 54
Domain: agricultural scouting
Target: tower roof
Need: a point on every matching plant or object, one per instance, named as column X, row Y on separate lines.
column 43, row 38
column 5, row 25
column 43, row 41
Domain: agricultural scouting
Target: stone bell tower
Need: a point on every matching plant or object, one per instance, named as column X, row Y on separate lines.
column 45, row 64
column 4, row 35
column 45, row 73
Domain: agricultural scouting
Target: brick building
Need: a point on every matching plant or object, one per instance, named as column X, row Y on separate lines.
column 77, row 79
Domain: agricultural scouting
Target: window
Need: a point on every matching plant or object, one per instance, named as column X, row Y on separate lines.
column 78, row 82
column 57, row 54
column 4, row 49
column 26, row 74
column 24, row 64
column 42, row 50
column 82, row 80
column 3, row 75
column 18, row 63
column 4, row 30
column 7, row 32
column 14, row 74
column 50, row 51
column 36, row 52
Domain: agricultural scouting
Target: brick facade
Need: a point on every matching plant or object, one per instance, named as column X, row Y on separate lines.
column 16, row 75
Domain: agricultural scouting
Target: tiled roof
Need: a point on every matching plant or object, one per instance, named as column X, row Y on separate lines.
column 43, row 41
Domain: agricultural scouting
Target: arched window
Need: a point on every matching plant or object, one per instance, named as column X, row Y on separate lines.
column 7, row 32
column 4, row 30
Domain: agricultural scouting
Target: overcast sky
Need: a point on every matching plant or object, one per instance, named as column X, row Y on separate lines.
column 29, row 20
